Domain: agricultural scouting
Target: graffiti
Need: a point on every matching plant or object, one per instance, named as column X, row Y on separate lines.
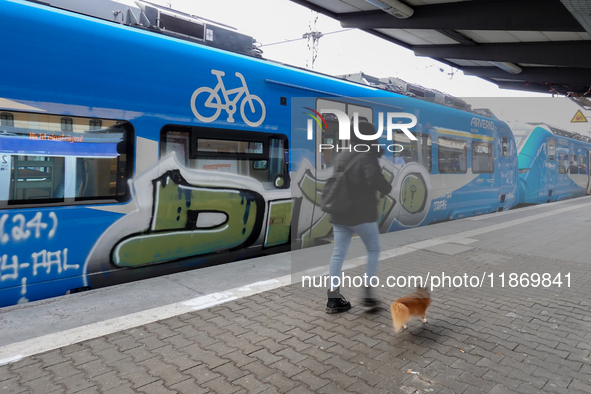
column 48, row 260
column 278, row 223
column 44, row 264
column 21, row 230
column 385, row 202
column 311, row 189
column 439, row 205
column 192, row 220
column 413, row 193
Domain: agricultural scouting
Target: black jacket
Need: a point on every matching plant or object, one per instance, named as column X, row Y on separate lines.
column 365, row 180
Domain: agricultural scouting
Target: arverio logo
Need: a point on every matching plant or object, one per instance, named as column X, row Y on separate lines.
column 345, row 129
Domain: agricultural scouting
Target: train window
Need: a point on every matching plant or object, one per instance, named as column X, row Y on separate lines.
column 582, row 164
column 95, row 124
column 418, row 151
column 40, row 163
column 504, row 147
column 262, row 156
column 482, row 157
column 67, row 124
column 562, row 163
column 574, row 164
column 452, row 156
column 6, row 119
column 229, row 146
column 177, row 142
column 551, row 148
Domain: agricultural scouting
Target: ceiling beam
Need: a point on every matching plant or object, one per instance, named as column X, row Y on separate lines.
column 539, row 88
column 525, row 15
column 558, row 53
column 555, row 75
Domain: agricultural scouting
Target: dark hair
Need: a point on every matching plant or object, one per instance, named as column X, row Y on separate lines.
column 366, row 128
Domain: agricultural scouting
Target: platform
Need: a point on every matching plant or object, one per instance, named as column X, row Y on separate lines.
column 251, row 327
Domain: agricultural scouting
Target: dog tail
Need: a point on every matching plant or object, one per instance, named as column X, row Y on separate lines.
column 400, row 315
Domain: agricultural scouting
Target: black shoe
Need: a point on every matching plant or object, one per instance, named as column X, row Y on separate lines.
column 336, row 302
column 368, row 300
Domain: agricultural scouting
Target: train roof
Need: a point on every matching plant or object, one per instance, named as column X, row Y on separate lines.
column 562, row 133
column 148, row 16
column 399, row 86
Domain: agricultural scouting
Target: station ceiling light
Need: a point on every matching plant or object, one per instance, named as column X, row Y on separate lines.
column 508, row 67
column 393, row 7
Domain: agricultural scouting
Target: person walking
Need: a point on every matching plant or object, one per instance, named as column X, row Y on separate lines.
column 364, row 179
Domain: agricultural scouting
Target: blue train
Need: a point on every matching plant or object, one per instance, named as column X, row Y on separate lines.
column 553, row 163
column 129, row 150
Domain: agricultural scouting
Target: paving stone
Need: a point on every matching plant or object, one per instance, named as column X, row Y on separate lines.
column 251, row 384
column 139, row 354
column 155, row 388
column 282, row 383
column 169, row 374
column 313, row 381
column 43, row 384
column 288, row 368
column 124, row 389
column 260, row 370
column 24, row 374
column 11, row 386
column 108, row 381
column 74, row 383
column 136, row 374
column 365, row 374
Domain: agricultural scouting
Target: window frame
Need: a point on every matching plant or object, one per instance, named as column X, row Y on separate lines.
column 420, row 147
column 563, row 157
column 197, row 133
column 95, row 124
column 67, row 123
column 465, row 142
column 583, row 161
column 60, row 163
column 6, row 119
column 505, row 146
column 491, row 156
column 573, row 164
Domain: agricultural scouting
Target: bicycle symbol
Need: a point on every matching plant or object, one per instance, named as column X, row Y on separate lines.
column 229, row 105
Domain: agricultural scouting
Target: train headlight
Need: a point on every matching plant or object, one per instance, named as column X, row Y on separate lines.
column 523, row 170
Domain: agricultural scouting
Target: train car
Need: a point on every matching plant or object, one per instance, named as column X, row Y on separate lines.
column 553, row 163
column 128, row 152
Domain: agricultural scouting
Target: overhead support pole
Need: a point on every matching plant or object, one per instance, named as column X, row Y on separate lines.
column 524, row 15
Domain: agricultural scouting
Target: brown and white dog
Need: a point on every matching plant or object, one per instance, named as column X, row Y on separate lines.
column 414, row 304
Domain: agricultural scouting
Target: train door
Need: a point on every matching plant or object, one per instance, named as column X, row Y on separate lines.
column 588, row 172
column 506, row 166
column 549, row 173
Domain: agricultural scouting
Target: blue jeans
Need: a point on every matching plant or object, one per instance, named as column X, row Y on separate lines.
column 370, row 235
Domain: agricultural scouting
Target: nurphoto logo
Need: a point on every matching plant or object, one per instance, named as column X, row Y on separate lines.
column 345, row 130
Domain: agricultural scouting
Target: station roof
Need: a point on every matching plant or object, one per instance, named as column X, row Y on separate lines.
column 532, row 45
